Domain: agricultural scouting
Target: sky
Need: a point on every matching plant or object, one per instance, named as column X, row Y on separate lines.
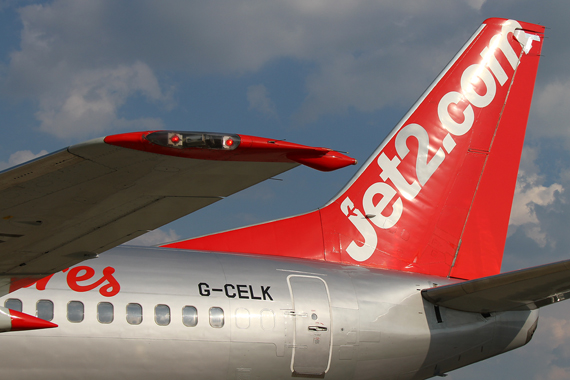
column 334, row 73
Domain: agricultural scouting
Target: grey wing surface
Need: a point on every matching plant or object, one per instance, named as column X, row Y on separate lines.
column 73, row 204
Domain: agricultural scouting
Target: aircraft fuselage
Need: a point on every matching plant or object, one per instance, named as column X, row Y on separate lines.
column 211, row 315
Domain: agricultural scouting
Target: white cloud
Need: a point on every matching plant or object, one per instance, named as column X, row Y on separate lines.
column 476, row 4
column 552, row 110
column 89, row 103
column 362, row 54
column 551, row 343
column 62, row 65
column 23, row 156
column 370, row 80
column 556, row 331
column 20, row 157
column 529, row 193
column 76, row 57
column 554, row 373
column 259, row 100
column 155, row 237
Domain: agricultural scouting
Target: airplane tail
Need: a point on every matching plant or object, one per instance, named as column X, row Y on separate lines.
column 436, row 195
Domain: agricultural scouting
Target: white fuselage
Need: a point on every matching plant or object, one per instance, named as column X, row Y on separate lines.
column 257, row 318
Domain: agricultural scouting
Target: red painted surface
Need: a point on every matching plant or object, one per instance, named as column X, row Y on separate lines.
column 277, row 238
column 251, row 148
column 21, row 322
column 436, row 197
column 18, row 283
column 77, row 277
column 486, row 229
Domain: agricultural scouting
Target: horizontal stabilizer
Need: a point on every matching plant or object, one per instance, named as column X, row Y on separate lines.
column 525, row 289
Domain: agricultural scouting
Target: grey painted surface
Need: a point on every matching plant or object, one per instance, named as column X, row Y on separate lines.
column 378, row 324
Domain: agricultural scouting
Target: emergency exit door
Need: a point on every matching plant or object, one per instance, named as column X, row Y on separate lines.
column 313, row 336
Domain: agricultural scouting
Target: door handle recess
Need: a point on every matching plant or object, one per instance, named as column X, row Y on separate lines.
column 294, row 314
column 317, row 328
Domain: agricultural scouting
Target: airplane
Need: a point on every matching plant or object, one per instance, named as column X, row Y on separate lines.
column 396, row 277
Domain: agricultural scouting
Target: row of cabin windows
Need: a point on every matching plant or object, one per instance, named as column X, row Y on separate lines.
column 106, row 313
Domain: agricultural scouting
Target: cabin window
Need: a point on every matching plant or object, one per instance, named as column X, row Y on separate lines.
column 105, row 312
column 267, row 319
column 162, row 315
column 44, row 310
column 242, row 318
column 13, row 304
column 134, row 314
column 75, row 311
column 189, row 316
column 216, row 317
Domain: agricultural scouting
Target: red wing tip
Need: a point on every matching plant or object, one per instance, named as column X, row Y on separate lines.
column 21, row 322
column 230, row 147
column 327, row 162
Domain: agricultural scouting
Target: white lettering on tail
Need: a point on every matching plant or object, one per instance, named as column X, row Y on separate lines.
column 486, row 71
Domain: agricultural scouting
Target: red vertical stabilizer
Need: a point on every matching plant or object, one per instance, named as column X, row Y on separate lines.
column 436, row 195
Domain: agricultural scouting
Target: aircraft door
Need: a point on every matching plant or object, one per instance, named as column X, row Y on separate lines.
column 313, row 337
